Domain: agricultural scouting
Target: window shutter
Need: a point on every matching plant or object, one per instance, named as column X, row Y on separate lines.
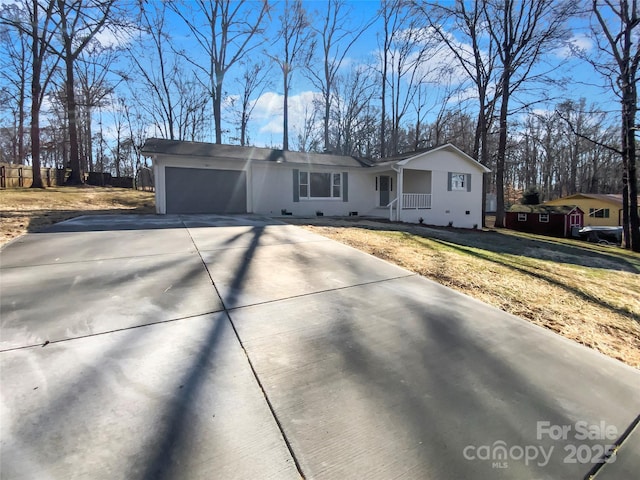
column 449, row 180
column 296, row 185
column 345, row 186
column 468, row 182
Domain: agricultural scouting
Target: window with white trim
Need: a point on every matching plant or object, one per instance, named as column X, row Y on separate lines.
column 543, row 217
column 458, row 181
column 599, row 212
column 320, row 185
column 522, row 217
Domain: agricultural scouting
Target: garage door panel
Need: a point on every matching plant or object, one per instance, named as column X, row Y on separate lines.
column 202, row 190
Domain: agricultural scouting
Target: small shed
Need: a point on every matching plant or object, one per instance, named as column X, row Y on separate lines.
column 555, row 221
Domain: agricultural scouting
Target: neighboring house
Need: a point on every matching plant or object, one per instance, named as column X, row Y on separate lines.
column 442, row 186
column 556, row 221
column 599, row 209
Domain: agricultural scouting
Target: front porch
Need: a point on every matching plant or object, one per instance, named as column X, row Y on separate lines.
column 414, row 192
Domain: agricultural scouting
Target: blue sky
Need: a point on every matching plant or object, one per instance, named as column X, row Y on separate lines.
column 266, row 124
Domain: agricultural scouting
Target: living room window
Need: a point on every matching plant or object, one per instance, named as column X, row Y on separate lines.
column 320, row 185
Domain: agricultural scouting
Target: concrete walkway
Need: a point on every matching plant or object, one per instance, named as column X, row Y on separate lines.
column 148, row 347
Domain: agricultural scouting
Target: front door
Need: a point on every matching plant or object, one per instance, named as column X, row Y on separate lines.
column 385, row 189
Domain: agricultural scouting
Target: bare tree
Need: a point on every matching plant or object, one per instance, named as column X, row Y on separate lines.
column 410, row 47
column 79, row 22
column 522, row 32
column 224, row 30
column 35, row 22
column 619, row 22
column 14, row 73
column 297, row 41
column 390, row 11
column 92, row 68
column 336, row 39
column 308, row 138
column 157, row 68
column 354, row 94
column 254, row 80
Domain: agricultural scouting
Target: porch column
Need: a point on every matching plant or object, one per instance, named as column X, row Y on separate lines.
column 400, row 187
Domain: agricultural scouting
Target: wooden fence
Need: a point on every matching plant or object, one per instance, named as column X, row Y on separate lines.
column 14, row 176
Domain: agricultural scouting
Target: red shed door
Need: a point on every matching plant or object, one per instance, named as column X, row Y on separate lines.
column 575, row 220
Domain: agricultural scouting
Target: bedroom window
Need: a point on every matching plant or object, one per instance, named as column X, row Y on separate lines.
column 543, row 218
column 522, row 217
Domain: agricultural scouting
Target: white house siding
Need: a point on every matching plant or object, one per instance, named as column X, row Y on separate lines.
column 273, row 191
column 447, row 206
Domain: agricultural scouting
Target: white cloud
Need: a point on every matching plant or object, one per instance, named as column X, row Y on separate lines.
column 268, row 110
column 114, row 37
column 579, row 43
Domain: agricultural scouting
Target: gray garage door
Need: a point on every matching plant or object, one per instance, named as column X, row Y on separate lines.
column 202, row 190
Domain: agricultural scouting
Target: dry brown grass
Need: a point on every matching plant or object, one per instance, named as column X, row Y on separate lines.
column 29, row 210
column 588, row 293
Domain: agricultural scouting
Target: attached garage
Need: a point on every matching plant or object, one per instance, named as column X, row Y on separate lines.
column 205, row 190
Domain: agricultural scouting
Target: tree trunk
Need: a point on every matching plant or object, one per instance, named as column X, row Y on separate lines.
column 35, row 129
column 243, row 126
column 21, row 122
column 383, row 106
column 217, row 111
column 285, row 112
column 76, row 177
column 36, row 89
column 502, row 149
column 630, row 184
column 327, row 112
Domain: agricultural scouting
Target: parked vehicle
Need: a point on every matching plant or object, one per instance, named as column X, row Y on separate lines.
column 602, row 235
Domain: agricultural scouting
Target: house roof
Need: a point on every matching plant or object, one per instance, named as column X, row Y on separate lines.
column 448, row 147
column 161, row 146
column 550, row 209
column 155, row 146
column 605, row 197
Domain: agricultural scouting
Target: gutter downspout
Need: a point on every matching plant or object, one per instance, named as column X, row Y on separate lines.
column 400, row 187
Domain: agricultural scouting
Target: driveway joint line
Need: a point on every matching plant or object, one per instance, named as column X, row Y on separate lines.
column 598, row 467
column 318, row 292
column 97, row 334
column 71, row 262
column 253, row 370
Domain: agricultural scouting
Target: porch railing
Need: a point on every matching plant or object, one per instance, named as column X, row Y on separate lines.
column 390, row 205
column 416, row 200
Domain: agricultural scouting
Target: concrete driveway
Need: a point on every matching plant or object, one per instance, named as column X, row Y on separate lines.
column 146, row 347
